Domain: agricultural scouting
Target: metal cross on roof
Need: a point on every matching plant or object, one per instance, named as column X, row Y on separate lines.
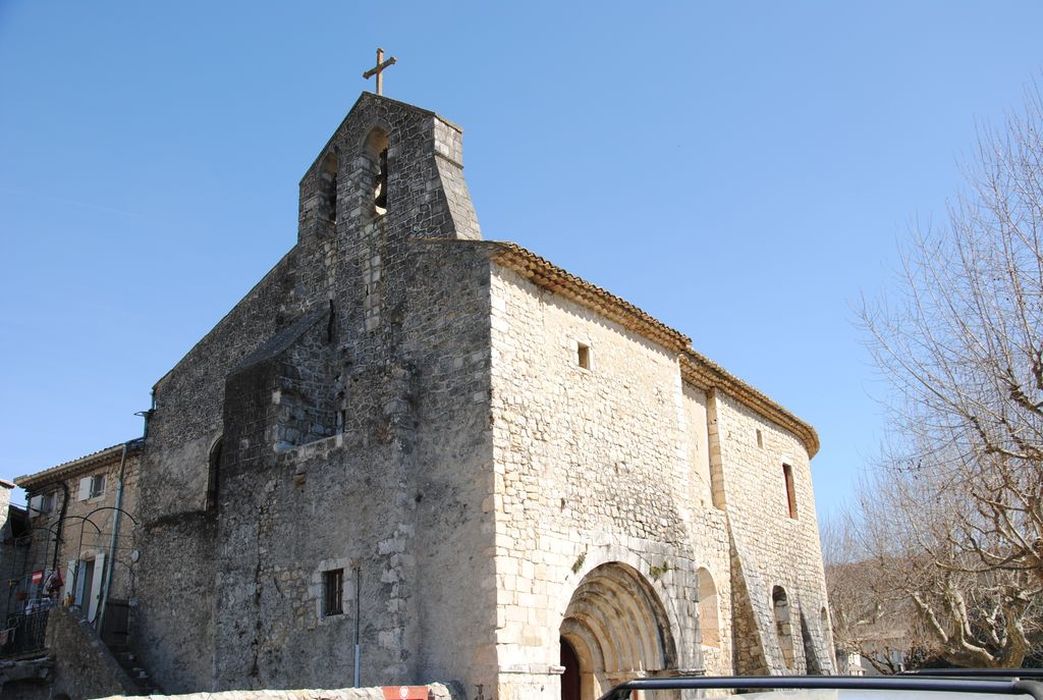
column 378, row 69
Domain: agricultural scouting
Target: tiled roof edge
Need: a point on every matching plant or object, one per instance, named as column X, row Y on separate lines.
column 546, row 274
column 700, row 371
column 66, row 469
column 696, row 369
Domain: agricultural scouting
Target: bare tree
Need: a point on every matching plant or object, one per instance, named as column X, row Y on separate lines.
column 956, row 507
column 962, row 345
column 871, row 618
column 912, row 528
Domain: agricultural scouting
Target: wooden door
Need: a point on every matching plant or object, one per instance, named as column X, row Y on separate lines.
column 570, row 681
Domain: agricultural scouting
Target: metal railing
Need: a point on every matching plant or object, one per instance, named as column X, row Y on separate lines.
column 23, row 634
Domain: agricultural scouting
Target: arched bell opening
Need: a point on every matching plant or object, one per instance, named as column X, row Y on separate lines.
column 374, row 173
column 327, row 210
column 615, row 628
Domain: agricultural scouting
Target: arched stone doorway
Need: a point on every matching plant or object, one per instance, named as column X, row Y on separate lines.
column 615, row 629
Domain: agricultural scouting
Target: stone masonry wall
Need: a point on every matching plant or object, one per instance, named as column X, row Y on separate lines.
column 339, row 438
column 592, row 466
column 709, row 535
column 83, row 665
column 772, row 548
column 395, row 495
column 174, row 629
column 446, row 338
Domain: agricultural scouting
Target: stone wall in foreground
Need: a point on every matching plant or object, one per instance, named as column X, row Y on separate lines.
column 435, row 691
column 83, row 666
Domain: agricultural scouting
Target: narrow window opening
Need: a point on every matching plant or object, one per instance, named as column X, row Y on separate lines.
column 333, row 592
column 583, row 355
column 791, row 493
column 375, row 172
column 760, row 438
column 380, row 192
column 328, row 184
column 331, row 323
column 214, row 474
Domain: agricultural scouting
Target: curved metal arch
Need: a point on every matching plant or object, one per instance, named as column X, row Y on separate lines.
column 28, row 536
column 121, row 510
column 85, row 519
column 45, row 529
column 51, row 530
column 82, row 517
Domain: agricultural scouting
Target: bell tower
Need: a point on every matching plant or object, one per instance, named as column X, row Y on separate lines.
column 392, row 161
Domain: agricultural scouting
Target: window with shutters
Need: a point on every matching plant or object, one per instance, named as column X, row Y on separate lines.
column 41, row 505
column 92, row 487
column 97, row 485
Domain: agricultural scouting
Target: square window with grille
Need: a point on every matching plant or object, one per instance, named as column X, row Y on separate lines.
column 333, row 592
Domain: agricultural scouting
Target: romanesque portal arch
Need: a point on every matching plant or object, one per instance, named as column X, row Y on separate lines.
column 615, row 629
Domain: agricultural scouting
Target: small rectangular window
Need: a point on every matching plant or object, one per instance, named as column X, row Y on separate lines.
column 760, row 438
column 791, row 493
column 97, row 485
column 333, row 592
column 583, row 355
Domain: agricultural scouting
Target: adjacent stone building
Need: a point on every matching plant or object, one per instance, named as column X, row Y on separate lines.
column 446, row 459
column 84, row 523
column 15, row 541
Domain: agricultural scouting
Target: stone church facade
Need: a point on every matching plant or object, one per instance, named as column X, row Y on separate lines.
column 447, row 459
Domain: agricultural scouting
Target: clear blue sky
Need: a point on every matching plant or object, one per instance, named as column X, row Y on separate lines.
column 742, row 171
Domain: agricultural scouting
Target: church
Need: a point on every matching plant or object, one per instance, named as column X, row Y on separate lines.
column 411, row 454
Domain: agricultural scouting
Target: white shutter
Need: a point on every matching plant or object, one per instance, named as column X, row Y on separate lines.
column 70, row 574
column 99, row 574
column 81, row 581
column 85, row 488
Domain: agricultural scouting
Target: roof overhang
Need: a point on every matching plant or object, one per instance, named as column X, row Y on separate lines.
column 696, row 369
column 66, row 470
